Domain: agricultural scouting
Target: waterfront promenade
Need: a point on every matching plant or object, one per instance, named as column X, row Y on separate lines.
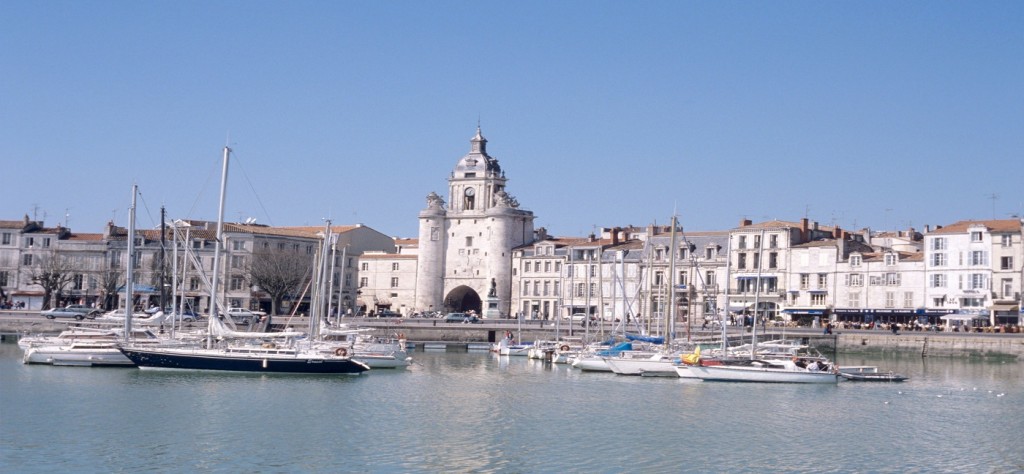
column 427, row 330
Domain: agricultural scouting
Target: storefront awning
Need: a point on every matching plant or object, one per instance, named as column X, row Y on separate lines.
column 1004, row 307
column 811, row 311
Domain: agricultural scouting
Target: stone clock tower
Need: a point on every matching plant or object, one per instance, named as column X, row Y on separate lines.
column 465, row 247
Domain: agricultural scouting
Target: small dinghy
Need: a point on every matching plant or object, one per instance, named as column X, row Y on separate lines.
column 873, row 376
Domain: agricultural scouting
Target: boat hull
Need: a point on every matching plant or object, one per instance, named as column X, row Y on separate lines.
column 655, row 366
column 873, row 377
column 729, row 373
column 220, row 361
column 79, row 358
column 592, row 364
column 384, row 361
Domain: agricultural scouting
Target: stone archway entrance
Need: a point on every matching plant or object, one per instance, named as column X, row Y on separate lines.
column 462, row 299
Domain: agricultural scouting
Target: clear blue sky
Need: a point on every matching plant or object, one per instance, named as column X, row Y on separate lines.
column 879, row 114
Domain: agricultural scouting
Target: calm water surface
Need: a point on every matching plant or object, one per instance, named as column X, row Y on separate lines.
column 476, row 412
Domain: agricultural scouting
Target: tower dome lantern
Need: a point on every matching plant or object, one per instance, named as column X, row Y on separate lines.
column 478, row 143
column 477, row 163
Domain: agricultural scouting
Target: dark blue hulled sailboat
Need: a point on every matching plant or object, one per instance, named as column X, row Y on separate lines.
column 233, row 351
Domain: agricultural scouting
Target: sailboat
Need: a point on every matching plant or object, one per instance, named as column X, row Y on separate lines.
column 660, row 362
column 761, row 368
column 234, row 351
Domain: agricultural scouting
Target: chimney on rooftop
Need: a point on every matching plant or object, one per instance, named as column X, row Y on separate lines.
column 745, row 222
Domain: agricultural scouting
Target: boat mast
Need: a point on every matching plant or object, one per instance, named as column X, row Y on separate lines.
column 214, row 313
column 670, row 324
column 725, row 312
column 175, row 297
column 757, row 295
column 129, row 285
column 330, row 284
column 163, row 258
column 317, row 297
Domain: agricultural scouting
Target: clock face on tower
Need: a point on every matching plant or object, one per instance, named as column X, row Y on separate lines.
column 470, row 192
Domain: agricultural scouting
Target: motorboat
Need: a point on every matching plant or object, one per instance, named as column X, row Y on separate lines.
column 374, row 351
column 85, row 347
column 651, row 364
column 506, row 347
column 592, row 360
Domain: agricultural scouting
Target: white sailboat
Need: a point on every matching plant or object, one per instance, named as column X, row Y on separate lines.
column 757, row 368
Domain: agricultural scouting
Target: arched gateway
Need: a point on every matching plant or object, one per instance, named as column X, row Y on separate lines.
column 462, row 299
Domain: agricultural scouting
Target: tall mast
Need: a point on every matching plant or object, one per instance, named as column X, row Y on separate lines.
column 330, row 280
column 129, row 285
column 725, row 312
column 671, row 323
column 163, row 258
column 757, row 296
column 214, row 312
column 174, row 279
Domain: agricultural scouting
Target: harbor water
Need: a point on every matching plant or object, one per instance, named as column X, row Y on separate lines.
column 477, row 412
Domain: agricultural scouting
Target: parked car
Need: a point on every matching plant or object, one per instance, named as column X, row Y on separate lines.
column 83, row 309
column 244, row 316
column 387, row 313
column 461, row 318
column 88, row 311
column 187, row 316
column 78, row 313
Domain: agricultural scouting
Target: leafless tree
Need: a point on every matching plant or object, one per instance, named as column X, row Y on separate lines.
column 53, row 271
column 278, row 272
column 110, row 280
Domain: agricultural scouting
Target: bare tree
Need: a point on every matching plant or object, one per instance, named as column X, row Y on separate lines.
column 53, row 271
column 110, row 281
column 278, row 272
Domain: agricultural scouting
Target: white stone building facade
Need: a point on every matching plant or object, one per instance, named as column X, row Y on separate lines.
column 466, row 242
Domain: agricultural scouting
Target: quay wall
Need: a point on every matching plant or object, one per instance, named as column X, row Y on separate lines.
column 930, row 344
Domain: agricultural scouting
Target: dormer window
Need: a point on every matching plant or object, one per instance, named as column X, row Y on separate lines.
column 855, row 260
column 891, row 259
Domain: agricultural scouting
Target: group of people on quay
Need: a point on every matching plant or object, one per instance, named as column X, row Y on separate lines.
column 917, row 326
column 8, row 304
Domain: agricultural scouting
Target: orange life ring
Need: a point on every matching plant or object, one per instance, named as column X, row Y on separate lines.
column 341, row 352
column 564, row 348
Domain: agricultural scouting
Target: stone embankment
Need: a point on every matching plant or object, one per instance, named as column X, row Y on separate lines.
column 931, row 344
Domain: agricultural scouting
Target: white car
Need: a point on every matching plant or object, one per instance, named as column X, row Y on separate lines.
column 70, row 312
column 244, row 316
